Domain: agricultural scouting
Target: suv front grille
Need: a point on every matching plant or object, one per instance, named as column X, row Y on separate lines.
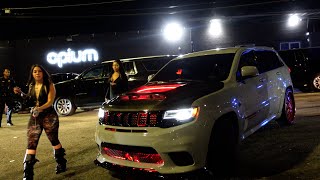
column 132, row 119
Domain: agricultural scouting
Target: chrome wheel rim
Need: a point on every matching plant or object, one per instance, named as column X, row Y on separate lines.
column 64, row 106
column 316, row 82
column 17, row 106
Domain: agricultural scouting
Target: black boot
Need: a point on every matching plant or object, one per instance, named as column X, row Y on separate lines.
column 62, row 162
column 29, row 161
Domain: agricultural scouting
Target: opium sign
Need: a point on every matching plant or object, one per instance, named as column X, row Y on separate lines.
column 70, row 56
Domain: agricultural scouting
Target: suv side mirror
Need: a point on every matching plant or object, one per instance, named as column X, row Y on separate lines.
column 249, row 71
column 150, row 77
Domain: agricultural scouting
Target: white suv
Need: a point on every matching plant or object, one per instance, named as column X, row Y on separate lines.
column 195, row 111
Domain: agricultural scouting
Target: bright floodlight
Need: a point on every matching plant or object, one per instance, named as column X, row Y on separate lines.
column 293, row 20
column 215, row 28
column 173, row 32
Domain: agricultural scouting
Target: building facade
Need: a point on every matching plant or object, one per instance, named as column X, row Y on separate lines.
column 20, row 54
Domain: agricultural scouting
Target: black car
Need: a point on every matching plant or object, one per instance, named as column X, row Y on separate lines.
column 59, row 77
column 88, row 89
column 304, row 64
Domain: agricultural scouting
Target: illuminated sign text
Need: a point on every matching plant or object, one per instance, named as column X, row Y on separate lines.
column 69, row 56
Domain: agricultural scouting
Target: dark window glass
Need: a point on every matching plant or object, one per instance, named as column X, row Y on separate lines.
column 156, row 63
column 301, row 61
column 94, row 73
column 58, row 77
column 288, row 57
column 267, row 60
column 129, row 68
column 202, row 68
column 247, row 58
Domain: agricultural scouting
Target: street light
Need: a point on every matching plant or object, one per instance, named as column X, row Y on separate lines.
column 294, row 20
column 215, row 28
column 173, row 32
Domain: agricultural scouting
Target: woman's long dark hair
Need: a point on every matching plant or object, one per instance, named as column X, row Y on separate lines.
column 121, row 70
column 46, row 77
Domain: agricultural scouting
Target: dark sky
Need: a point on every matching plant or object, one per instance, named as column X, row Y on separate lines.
column 38, row 18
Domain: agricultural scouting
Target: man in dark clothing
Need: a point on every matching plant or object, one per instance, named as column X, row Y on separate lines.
column 7, row 86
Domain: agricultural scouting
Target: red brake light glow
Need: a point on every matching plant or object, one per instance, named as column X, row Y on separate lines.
column 156, row 88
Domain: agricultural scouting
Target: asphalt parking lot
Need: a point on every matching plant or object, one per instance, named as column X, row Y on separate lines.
column 273, row 152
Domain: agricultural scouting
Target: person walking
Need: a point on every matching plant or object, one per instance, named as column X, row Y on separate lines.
column 118, row 81
column 41, row 95
column 7, row 87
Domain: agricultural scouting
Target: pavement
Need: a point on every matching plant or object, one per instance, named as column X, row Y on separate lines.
column 273, row 152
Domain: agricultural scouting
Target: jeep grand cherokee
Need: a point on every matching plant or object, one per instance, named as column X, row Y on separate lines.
column 195, row 111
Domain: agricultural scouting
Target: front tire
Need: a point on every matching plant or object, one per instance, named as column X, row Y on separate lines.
column 64, row 106
column 223, row 149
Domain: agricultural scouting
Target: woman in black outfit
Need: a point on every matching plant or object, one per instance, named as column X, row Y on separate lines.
column 118, row 80
column 41, row 95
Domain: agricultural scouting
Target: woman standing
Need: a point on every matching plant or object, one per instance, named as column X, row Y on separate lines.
column 41, row 95
column 118, row 80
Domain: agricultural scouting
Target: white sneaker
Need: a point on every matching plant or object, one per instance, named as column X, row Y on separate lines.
column 9, row 124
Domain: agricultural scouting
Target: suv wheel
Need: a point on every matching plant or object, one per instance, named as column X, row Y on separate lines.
column 222, row 155
column 288, row 109
column 64, row 106
column 17, row 106
column 316, row 82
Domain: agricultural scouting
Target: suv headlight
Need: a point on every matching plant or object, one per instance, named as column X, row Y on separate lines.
column 182, row 115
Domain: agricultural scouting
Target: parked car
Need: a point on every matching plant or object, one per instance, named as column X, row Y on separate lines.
column 19, row 104
column 195, row 111
column 88, row 89
column 304, row 64
column 59, row 77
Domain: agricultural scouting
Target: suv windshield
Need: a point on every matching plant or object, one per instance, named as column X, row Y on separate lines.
column 202, row 68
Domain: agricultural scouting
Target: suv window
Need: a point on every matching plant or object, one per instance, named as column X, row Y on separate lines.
column 288, row 57
column 248, row 58
column 94, row 73
column 154, row 65
column 267, row 61
column 301, row 60
column 129, row 68
column 202, row 68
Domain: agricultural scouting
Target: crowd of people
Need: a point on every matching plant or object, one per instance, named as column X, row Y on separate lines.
column 43, row 117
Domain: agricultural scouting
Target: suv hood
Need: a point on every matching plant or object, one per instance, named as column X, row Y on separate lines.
column 163, row 95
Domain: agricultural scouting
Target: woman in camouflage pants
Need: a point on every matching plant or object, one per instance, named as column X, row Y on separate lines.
column 43, row 117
